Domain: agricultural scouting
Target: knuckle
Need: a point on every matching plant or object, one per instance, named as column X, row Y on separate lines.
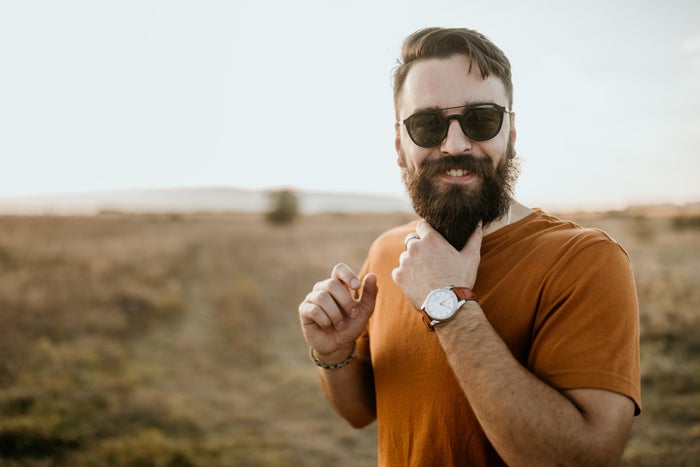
column 319, row 316
column 313, row 296
column 310, row 296
column 338, row 268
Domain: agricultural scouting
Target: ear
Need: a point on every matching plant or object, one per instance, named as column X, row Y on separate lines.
column 397, row 137
column 513, row 132
column 397, row 142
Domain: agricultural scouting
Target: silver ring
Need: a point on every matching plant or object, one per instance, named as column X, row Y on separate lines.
column 409, row 237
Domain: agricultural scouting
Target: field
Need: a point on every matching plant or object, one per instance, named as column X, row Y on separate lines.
column 173, row 340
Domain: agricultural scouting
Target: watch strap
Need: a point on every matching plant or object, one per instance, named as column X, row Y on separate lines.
column 429, row 323
column 464, row 293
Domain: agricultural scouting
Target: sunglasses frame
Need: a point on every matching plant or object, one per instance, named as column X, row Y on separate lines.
column 459, row 117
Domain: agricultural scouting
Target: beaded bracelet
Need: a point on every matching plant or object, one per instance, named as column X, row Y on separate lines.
column 334, row 366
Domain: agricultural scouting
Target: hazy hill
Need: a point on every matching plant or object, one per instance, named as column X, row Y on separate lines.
column 232, row 200
column 193, row 200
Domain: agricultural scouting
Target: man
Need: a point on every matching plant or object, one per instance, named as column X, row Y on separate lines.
column 533, row 358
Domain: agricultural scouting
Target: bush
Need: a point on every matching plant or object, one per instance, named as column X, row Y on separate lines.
column 284, row 207
column 685, row 222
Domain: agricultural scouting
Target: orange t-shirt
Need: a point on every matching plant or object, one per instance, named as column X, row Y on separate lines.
column 563, row 299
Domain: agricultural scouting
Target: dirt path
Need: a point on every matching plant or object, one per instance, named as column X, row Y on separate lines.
column 236, row 363
column 187, row 366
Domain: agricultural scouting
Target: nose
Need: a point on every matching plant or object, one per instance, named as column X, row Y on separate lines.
column 456, row 142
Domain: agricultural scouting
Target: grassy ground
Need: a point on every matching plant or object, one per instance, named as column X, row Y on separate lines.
column 173, row 340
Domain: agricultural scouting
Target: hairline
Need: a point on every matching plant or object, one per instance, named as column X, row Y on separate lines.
column 473, row 65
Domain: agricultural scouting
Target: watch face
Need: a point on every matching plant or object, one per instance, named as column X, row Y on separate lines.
column 441, row 304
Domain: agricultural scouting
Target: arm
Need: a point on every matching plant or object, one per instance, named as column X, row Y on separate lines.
column 350, row 390
column 527, row 421
column 332, row 320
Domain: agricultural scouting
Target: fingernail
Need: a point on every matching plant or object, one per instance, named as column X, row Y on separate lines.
column 354, row 312
column 355, row 284
column 340, row 325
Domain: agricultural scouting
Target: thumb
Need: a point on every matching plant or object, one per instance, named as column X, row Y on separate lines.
column 369, row 294
column 473, row 245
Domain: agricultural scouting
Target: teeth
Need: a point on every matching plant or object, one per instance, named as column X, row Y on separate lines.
column 457, row 173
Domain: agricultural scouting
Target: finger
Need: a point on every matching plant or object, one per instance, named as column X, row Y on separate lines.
column 426, row 231
column 342, row 297
column 369, row 296
column 322, row 309
column 340, row 293
column 410, row 237
column 313, row 315
column 473, row 245
column 346, row 275
column 396, row 273
column 423, row 229
column 332, row 307
column 322, row 285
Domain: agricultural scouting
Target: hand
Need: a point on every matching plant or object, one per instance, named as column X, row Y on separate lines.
column 332, row 318
column 431, row 262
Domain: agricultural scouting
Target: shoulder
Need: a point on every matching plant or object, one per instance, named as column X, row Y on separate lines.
column 567, row 238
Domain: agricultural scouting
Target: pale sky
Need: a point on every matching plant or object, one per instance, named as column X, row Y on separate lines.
column 102, row 95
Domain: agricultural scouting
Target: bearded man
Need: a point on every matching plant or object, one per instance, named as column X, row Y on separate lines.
column 487, row 333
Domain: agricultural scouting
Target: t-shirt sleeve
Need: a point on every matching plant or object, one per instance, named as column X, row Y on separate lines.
column 586, row 330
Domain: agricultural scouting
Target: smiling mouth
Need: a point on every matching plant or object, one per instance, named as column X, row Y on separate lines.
column 458, row 176
column 458, row 173
column 456, row 169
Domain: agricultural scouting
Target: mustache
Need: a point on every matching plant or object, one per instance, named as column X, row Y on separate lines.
column 480, row 166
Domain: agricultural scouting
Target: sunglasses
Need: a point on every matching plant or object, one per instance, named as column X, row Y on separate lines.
column 480, row 122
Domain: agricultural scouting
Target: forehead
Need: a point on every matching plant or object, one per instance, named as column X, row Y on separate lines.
column 447, row 82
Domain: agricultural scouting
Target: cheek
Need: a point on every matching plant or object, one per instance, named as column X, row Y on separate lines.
column 411, row 158
column 495, row 149
column 414, row 163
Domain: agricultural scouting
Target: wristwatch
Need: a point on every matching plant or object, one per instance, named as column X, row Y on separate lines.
column 442, row 304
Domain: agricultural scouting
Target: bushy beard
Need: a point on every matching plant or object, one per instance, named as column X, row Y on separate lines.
column 454, row 210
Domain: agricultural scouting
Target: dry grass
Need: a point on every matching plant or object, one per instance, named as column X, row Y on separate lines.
column 173, row 340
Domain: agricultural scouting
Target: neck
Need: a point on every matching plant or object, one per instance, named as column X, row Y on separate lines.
column 514, row 213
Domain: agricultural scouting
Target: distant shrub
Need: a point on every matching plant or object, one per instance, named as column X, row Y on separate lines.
column 685, row 222
column 283, row 207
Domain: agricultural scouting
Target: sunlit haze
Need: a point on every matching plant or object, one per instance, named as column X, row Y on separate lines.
column 261, row 94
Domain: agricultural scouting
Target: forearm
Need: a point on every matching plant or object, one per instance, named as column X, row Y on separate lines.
column 350, row 391
column 527, row 421
column 332, row 319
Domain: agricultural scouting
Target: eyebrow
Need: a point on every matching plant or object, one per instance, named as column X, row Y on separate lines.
column 471, row 105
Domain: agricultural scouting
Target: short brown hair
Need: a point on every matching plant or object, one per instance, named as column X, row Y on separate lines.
column 446, row 42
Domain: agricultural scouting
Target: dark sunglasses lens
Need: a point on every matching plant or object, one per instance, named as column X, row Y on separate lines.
column 427, row 129
column 482, row 123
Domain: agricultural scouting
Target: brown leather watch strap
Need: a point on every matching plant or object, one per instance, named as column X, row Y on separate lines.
column 464, row 293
